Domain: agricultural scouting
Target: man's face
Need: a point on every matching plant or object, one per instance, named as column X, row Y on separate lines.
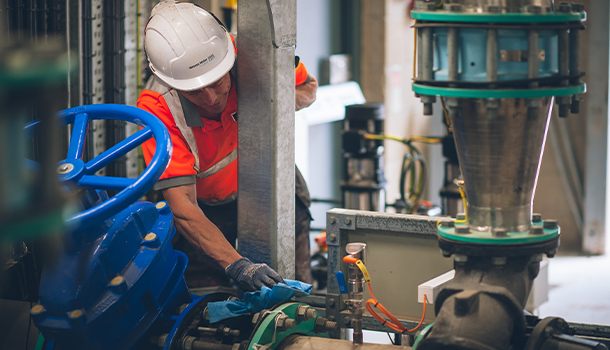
column 212, row 98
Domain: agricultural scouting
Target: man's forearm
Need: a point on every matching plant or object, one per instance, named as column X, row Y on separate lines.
column 197, row 228
column 205, row 236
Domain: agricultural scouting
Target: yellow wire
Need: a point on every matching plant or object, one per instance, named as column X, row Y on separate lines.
column 424, row 139
column 465, row 209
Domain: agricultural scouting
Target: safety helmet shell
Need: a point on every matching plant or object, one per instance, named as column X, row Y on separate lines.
column 186, row 47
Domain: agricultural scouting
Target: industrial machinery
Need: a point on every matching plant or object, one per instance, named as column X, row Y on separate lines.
column 117, row 283
column 498, row 67
column 363, row 187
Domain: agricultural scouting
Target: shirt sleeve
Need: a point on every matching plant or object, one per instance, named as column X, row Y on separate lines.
column 300, row 74
column 182, row 161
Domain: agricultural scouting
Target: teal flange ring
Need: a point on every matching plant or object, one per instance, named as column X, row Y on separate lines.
column 266, row 335
column 439, row 16
column 500, row 93
column 512, row 238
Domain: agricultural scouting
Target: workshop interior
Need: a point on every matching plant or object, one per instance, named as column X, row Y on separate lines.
column 455, row 149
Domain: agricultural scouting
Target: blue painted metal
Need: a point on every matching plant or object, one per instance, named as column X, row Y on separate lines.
column 116, row 271
column 129, row 192
column 118, row 283
column 472, row 54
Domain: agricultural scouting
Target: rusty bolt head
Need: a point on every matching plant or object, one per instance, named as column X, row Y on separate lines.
column 332, row 220
column 347, row 221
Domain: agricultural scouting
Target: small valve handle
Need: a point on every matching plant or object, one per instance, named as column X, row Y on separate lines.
column 341, row 282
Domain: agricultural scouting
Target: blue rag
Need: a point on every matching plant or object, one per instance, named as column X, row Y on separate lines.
column 257, row 301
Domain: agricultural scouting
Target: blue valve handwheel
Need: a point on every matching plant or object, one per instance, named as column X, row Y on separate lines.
column 75, row 171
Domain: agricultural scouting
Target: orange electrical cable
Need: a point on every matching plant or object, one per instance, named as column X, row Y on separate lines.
column 393, row 323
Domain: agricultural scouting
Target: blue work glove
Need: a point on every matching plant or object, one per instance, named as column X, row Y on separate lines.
column 251, row 277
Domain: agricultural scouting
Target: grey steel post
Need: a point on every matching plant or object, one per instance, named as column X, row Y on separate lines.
column 265, row 90
column 596, row 105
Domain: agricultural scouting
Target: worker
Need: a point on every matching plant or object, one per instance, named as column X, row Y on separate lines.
column 193, row 92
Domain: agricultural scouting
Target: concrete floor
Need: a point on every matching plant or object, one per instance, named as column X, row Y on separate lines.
column 579, row 289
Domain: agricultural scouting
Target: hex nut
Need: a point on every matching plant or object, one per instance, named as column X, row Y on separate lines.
column 454, row 7
column 499, row 232
column 447, row 223
column 550, row 224
column 255, row 318
column 462, row 229
column 536, row 230
column 187, row 344
column 284, row 323
column 305, row 313
column 533, row 9
column 536, row 217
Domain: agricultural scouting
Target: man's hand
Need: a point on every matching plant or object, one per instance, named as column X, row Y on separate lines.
column 251, row 277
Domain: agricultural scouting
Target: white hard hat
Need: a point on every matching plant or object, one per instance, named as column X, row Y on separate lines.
column 186, row 46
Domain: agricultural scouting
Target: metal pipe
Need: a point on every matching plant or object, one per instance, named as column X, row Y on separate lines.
column 575, row 66
column 492, row 55
column 301, row 342
column 426, row 55
column 356, row 289
column 420, row 50
column 532, row 57
column 564, row 63
column 452, row 53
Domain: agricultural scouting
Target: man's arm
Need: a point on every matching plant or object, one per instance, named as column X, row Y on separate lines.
column 196, row 227
column 305, row 94
column 192, row 223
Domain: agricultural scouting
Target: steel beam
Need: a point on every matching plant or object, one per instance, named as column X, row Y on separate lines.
column 265, row 89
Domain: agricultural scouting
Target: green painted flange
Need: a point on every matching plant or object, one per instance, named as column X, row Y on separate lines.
column 440, row 16
column 499, row 93
column 33, row 227
column 512, row 238
column 265, row 333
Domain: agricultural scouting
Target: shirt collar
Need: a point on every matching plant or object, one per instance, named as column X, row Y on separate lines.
column 228, row 116
column 191, row 116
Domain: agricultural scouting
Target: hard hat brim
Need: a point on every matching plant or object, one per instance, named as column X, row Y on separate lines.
column 205, row 79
